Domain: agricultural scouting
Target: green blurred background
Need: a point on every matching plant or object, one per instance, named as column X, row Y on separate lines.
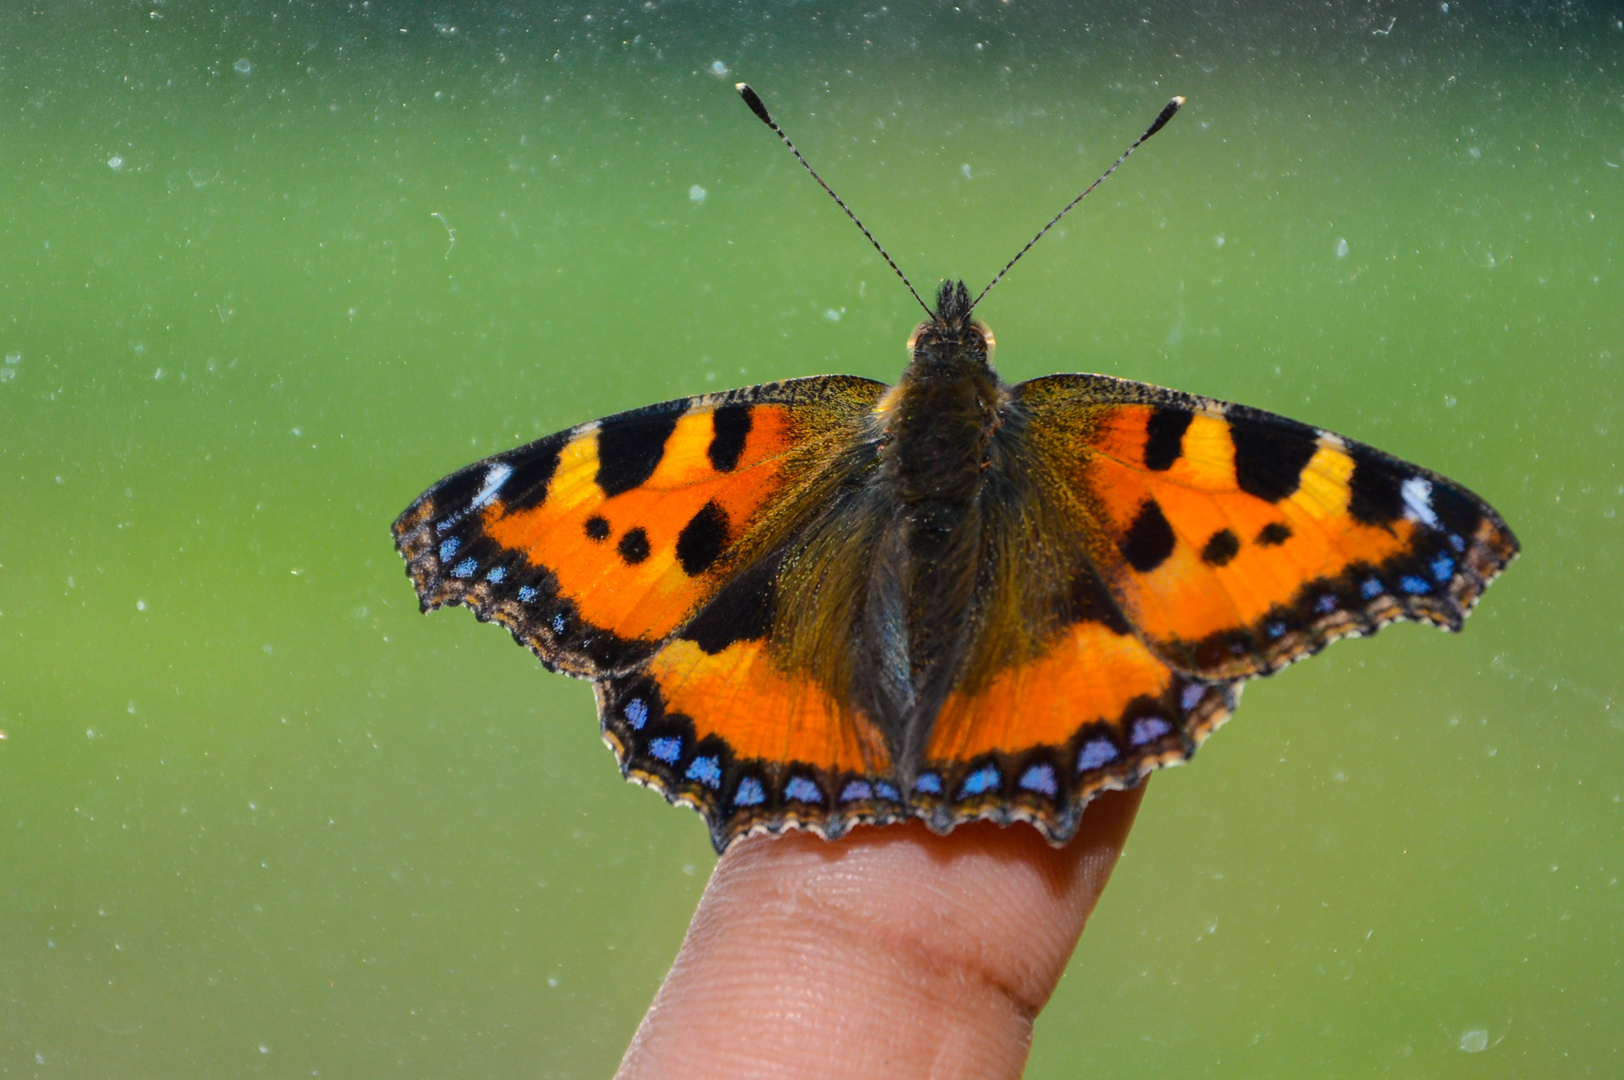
column 268, row 271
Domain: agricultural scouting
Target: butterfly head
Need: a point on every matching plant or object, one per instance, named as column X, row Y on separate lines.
column 951, row 337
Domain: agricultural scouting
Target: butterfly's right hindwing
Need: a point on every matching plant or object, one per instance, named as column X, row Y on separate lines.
column 646, row 551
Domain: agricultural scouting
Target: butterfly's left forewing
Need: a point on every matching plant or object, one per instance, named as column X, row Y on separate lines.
column 1235, row 541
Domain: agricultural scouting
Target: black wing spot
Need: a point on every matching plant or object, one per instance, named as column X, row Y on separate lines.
column 1456, row 508
column 1164, row 437
column 1091, row 603
column 730, row 424
column 633, row 547
column 453, row 494
column 741, row 611
column 1275, row 532
column 1221, row 547
column 629, row 452
column 1375, row 491
column 597, row 529
column 1150, row 538
column 702, row 540
column 533, row 469
column 1270, row 457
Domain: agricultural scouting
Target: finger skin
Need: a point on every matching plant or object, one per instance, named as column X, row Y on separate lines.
column 893, row 952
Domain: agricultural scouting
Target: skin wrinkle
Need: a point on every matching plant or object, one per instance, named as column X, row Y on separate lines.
column 916, row 956
column 893, row 953
column 933, row 898
column 922, row 985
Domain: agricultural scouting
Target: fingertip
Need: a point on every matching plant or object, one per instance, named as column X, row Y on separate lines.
column 892, row 941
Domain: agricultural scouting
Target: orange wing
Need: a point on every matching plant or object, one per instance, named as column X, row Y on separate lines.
column 598, row 543
column 1173, row 546
column 641, row 551
column 1094, row 711
column 1236, row 541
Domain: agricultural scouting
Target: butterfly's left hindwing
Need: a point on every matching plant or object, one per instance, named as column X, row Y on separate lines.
column 1158, row 548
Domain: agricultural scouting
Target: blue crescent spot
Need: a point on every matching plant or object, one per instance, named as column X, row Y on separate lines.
column 929, row 783
column 1370, row 589
column 558, row 623
column 801, row 789
column 1039, row 778
column 1276, row 629
column 465, row 568
column 856, row 791
column 1148, row 729
column 1192, row 695
column 1095, row 753
column 636, row 713
column 497, row 574
column 980, row 782
column 1443, row 568
column 749, row 793
column 667, row 748
column 1457, row 543
column 526, row 594
column 449, row 548
column 707, row 770
column 1413, row 585
column 886, row 791
column 1325, row 604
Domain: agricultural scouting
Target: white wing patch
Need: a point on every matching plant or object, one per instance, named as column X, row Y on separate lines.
column 1417, row 493
column 495, row 477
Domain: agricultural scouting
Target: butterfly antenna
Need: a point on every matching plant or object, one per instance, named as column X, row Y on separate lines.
column 752, row 99
column 1156, row 125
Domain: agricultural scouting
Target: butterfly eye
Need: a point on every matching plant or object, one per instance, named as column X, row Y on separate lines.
column 986, row 335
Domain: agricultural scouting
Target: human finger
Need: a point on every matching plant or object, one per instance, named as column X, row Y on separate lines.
column 893, row 952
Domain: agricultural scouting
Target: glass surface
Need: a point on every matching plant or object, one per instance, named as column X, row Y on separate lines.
column 269, row 273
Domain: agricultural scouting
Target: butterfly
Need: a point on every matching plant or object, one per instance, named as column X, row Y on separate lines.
column 828, row 601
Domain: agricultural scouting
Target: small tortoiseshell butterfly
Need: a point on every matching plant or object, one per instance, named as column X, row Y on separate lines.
column 829, row 601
